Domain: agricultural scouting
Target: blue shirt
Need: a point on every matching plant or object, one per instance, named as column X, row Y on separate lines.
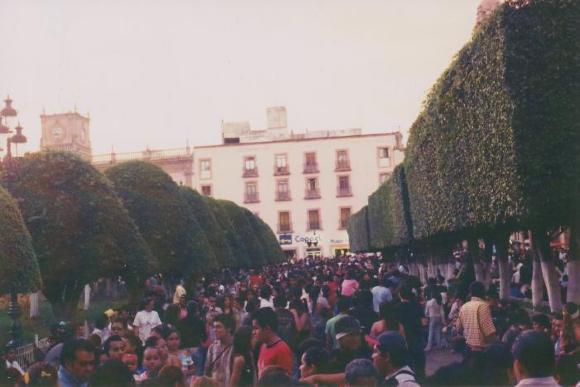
column 66, row 379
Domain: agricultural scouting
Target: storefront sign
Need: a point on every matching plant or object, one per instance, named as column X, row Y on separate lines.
column 285, row 239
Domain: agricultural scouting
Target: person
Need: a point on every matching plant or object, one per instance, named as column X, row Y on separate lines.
column 273, row 351
column 434, row 311
column 350, row 285
column 131, row 362
column 275, row 376
column 350, row 344
column 179, row 292
column 361, row 373
column 541, row 323
column 286, row 321
column 266, row 297
column 343, row 305
column 534, row 360
column 152, row 363
column 112, row 373
column 114, row 347
column 390, row 359
column 381, row 294
column 219, row 354
column 388, row 322
column 78, row 358
column 411, row 315
column 475, row 319
column 243, row 369
column 314, row 361
column 146, row 319
column 10, row 358
column 118, row 327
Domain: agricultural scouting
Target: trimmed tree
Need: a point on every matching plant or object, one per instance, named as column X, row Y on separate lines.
column 164, row 218
column 272, row 251
column 18, row 265
column 79, row 227
column 358, row 231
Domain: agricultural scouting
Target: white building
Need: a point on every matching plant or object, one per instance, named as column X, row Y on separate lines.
column 305, row 186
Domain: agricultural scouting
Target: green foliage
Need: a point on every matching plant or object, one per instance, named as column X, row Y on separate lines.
column 79, row 227
column 242, row 227
column 270, row 246
column 232, row 238
column 496, row 146
column 358, row 231
column 18, row 264
column 155, row 203
column 212, row 230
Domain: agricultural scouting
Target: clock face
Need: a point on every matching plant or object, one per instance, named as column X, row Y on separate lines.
column 57, row 131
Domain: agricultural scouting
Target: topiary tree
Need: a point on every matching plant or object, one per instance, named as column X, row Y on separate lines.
column 358, row 231
column 19, row 270
column 272, row 252
column 79, row 227
column 214, row 233
column 232, row 238
column 164, row 218
column 496, row 146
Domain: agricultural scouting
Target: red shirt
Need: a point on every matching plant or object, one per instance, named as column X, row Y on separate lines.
column 277, row 354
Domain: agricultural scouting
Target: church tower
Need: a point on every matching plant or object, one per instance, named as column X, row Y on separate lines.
column 66, row 132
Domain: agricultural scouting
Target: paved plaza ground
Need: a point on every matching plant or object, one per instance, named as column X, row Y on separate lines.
column 440, row 358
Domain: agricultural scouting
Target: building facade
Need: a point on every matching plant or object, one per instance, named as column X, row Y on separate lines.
column 305, row 186
column 66, row 132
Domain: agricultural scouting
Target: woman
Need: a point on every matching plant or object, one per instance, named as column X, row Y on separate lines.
column 388, row 321
column 434, row 311
column 350, row 285
column 146, row 319
column 301, row 319
column 243, row 369
column 314, row 361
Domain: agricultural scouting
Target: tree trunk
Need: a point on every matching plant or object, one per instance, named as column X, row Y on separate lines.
column 87, row 297
column 34, row 305
column 480, row 274
column 573, row 293
column 65, row 300
column 542, row 250
column 537, row 284
column 505, row 274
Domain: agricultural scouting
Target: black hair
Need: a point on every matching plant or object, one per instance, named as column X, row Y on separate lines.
column 151, row 342
column 535, row 353
column 280, row 301
column 107, row 344
column 227, row 321
column 266, row 292
column 477, row 289
column 275, row 376
column 70, row 348
column 542, row 320
column 360, row 368
column 317, row 357
column 266, row 317
column 343, row 304
column 112, row 373
column 242, row 341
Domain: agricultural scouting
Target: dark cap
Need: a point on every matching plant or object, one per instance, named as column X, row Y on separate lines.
column 345, row 326
column 391, row 342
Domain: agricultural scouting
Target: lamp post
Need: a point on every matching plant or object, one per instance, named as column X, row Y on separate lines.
column 6, row 115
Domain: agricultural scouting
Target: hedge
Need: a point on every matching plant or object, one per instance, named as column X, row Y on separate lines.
column 497, row 144
column 358, row 231
column 243, row 228
column 272, row 251
column 18, row 265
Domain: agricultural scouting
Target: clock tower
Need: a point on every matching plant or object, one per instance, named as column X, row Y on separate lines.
column 66, row 132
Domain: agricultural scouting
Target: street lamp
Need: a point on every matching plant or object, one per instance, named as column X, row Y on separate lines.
column 7, row 114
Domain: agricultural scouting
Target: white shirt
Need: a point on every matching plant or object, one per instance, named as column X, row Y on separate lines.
column 146, row 321
column 549, row 381
column 433, row 309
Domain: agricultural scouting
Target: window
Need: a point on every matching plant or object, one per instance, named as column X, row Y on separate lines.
column 314, row 220
column 206, row 190
column 310, row 164
column 312, row 191
column 205, row 169
column 384, row 160
column 284, row 222
column 282, row 190
column 344, row 215
column 342, row 161
column 251, row 195
column 281, row 164
column 383, row 177
column 344, row 186
column 250, row 168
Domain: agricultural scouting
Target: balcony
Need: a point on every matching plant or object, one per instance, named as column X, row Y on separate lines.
column 312, row 194
column 283, row 196
column 250, row 172
column 311, row 168
column 284, row 228
column 343, row 192
column 281, row 171
column 251, row 198
column 342, row 166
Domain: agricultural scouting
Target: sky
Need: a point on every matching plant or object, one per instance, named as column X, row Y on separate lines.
column 160, row 73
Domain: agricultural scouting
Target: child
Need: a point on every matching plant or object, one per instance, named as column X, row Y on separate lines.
column 152, row 363
column 130, row 360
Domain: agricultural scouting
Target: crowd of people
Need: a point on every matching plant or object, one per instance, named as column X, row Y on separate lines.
column 347, row 321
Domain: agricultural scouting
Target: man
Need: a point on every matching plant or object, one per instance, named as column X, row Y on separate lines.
column 343, row 305
column 266, row 297
column 390, row 359
column 10, row 358
column 475, row 319
column 541, row 323
column 286, row 322
column 381, row 293
column 114, row 347
column 534, row 360
column 361, row 373
column 219, row 354
column 77, row 363
column 411, row 315
column 273, row 351
column 350, row 344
